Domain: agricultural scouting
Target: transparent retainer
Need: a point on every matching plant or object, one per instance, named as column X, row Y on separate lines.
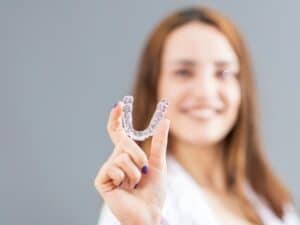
column 160, row 111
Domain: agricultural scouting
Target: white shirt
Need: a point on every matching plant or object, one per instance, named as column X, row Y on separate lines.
column 187, row 204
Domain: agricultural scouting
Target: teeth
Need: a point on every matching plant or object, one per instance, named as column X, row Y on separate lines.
column 202, row 113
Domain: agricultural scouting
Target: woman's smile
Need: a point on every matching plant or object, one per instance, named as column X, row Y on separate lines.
column 202, row 114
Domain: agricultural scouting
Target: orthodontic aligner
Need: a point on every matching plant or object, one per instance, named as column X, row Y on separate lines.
column 160, row 111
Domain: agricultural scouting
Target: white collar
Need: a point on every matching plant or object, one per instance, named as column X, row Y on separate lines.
column 191, row 200
column 190, row 197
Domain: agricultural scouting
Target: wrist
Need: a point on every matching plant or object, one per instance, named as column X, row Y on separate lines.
column 154, row 219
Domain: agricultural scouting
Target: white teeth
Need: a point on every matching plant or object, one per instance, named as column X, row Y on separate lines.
column 203, row 113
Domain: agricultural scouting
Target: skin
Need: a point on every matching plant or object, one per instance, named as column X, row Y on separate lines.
column 117, row 178
column 199, row 72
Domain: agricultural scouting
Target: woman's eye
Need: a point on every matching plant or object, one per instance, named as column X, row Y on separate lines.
column 223, row 74
column 183, row 72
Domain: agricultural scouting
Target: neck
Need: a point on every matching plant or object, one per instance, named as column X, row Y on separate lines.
column 203, row 163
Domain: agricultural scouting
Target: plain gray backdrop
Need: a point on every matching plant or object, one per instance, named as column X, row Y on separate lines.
column 65, row 63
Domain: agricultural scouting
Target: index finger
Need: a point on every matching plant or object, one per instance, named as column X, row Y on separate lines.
column 114, row 125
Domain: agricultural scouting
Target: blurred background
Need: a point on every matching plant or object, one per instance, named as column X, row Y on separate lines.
column 65, row 63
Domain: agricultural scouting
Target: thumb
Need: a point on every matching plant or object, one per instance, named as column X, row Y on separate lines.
column 159, row 143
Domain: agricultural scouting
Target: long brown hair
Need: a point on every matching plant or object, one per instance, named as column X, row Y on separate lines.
column 244, row 158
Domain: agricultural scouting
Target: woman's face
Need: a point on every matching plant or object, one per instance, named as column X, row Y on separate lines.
column 199, row 77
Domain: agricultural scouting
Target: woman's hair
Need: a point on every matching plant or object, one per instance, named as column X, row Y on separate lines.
column 244, row 158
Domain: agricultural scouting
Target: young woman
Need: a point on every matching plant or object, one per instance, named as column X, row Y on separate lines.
column 205, row 163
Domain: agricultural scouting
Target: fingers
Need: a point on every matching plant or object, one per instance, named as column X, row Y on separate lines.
column 159, row 143
column 133, row 150
column 115, row 171
column 116, row 174
column 122, row 142
column 124, row 162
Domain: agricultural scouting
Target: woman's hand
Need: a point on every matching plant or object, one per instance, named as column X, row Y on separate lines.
column 133, row 186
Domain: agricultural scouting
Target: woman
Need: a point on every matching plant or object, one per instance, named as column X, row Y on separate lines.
column 205, row 162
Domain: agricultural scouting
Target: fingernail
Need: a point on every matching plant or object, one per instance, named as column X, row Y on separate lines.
column 114, row 106
column 120, row 184
column 135, row 186
column 145, row 170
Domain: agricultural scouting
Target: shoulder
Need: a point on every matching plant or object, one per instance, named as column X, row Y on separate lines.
column 291, row 216
column 290, row 213
column 185, row 197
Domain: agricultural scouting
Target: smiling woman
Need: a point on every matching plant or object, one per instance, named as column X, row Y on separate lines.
column 208, row 97
column 205, row 162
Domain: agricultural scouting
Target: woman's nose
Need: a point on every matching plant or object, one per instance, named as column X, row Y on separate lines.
column 205, row 84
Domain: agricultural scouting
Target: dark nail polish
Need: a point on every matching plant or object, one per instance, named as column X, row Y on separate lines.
column 120, row 184
column 145, row 170
column 135, row 186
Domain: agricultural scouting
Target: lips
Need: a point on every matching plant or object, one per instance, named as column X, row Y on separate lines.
column 203, row 113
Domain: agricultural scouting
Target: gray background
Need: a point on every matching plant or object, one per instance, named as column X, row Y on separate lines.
column 65, row 63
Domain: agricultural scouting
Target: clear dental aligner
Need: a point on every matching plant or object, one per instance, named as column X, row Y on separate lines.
column 160, row 111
